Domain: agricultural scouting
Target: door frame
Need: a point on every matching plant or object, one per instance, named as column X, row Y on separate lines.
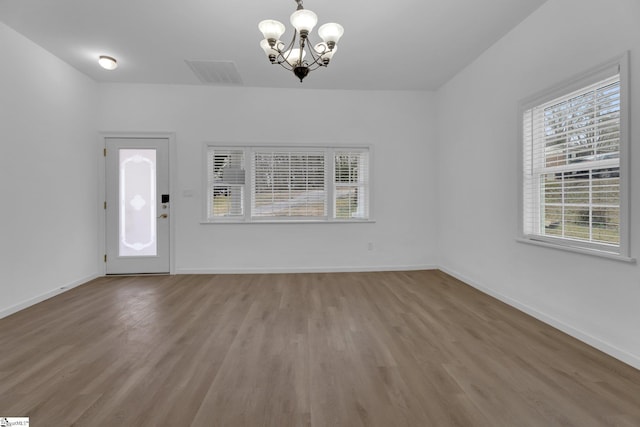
column 102, row 191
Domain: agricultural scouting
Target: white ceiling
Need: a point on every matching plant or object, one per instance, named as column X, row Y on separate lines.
column 390, row 45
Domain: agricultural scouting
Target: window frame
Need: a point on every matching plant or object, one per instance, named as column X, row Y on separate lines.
column 618, row 65
column 335, row 185
column 329, row 182
column 209, row 184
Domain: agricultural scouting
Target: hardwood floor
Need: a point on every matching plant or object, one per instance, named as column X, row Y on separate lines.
column 345, row 349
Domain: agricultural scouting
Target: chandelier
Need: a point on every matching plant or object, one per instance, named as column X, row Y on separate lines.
column 292, row 57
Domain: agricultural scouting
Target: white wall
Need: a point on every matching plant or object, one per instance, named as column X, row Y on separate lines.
column 47, row 174
column 452, row 201
column 592, row 298
column 398, row 125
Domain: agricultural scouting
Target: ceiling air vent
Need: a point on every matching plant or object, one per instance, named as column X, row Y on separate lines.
column 222, row 73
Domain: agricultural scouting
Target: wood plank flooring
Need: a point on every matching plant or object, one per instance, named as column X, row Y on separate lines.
column 344, row 349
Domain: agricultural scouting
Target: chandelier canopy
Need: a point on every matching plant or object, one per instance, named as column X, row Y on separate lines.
column 292, row 56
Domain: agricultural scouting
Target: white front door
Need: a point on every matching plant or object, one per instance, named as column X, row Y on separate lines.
column 137, row 205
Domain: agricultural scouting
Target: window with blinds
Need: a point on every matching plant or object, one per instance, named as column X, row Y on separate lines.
column 226, row 177
column 287, row 184
column 572, row 167
column 351, row 184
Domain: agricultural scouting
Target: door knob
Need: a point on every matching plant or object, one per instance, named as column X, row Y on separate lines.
column 163, row 216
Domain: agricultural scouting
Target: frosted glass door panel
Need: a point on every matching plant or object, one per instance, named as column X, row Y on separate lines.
column 137, row 222
column 137, row 204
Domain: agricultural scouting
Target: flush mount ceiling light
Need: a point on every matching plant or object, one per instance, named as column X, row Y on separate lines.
column 293, row 58
column 107, row 62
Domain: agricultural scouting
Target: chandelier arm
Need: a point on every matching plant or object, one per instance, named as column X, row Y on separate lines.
column 317, row 58
column 284, row 64
column 293, row 39
column 312, row 51
column 314, row 64
column 317, row 65
column 281, row 58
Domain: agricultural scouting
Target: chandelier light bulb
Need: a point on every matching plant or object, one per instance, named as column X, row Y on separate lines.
column 107, row 62
column 293, row 57
column 271, row 30
column 331, row 33
column 304, row 20
column 268, row 50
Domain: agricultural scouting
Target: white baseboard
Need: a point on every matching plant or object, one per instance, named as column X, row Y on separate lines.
column 605, row 347
column 305, row 269
column 35, row 300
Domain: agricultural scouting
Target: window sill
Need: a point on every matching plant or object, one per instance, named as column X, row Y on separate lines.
column 585, row 251
column 301, row 221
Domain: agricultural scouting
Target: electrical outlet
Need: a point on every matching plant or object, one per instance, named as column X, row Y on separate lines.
column 370, row 246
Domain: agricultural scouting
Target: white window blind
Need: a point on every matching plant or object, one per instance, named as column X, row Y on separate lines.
column 571, row 167
column 226, row 178
column 288, row 184
column 351, row 184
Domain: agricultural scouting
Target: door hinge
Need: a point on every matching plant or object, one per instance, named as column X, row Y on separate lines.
column 104, row 152
column 105, row 257
column 105, row 205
